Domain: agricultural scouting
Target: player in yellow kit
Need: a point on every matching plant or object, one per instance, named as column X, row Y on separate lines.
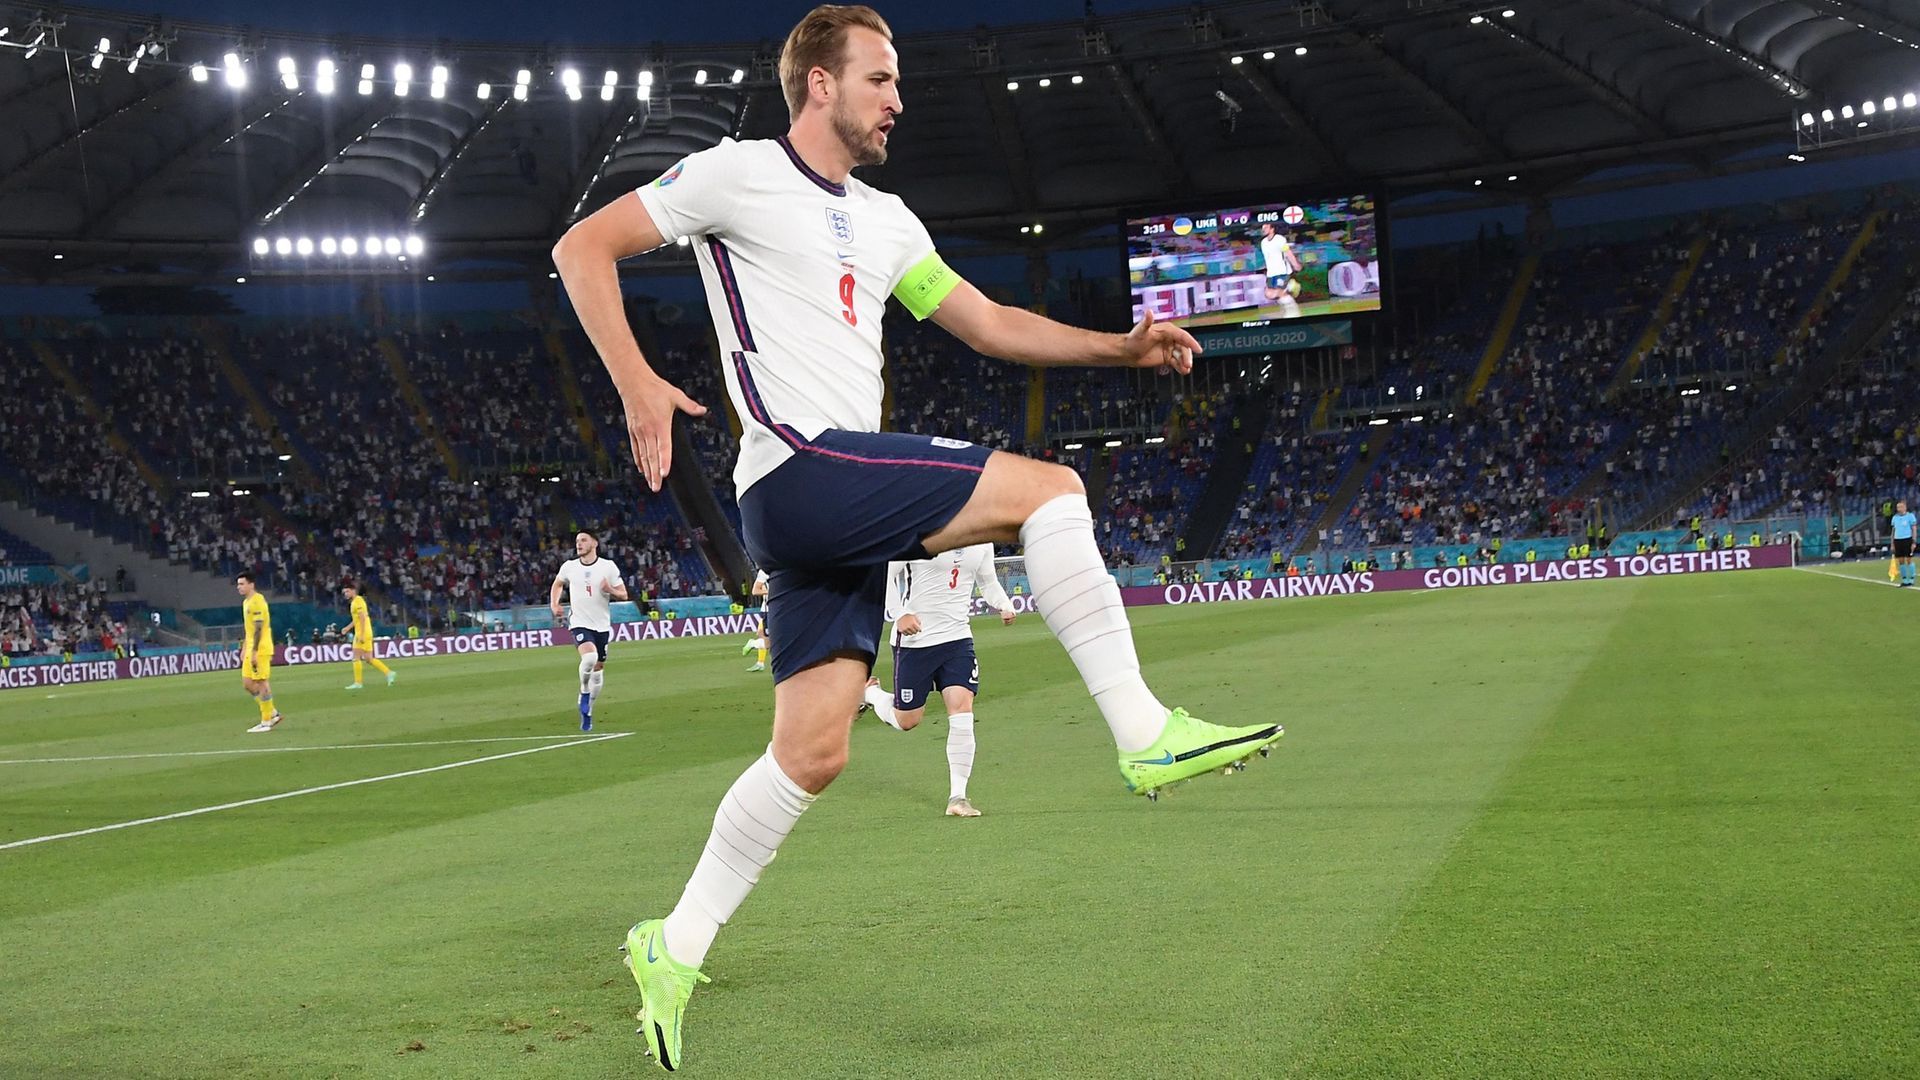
column 256, row 651
column 362, row 635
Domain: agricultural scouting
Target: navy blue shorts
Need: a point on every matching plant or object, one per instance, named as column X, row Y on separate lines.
column 917, row 673
column 582, row 635
column 826, row 522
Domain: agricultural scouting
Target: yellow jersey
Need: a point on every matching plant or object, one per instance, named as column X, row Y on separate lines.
column 362, row 622
column 252, row 612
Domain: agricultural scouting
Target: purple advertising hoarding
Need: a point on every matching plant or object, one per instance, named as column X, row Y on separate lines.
column 1210, row 592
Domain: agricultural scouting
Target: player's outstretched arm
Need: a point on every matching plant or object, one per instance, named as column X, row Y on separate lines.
column 1016, row 334
column 586, row 258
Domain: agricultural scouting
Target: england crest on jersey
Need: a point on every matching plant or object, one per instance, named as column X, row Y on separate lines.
column 841, row 225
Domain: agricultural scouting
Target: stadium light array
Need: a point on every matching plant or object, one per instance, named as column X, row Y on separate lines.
column 100, row 54
column 607, row 84
column 1299, row 50
column 484, row 91
column 1111, row 443
column 1235, row 59
column 1073, row 446
column 402, row 79
column 570, row 79
column 199, row 72
column 1013, row 84
column 236, row 75
column 739, row 76
column 306, row 246
column 521, row 80
column 437, row 85
column 1868, row 108
column 1268, row 55
column 289, row 75
column 1078, row 79
column 323, row 77
column 700, row 77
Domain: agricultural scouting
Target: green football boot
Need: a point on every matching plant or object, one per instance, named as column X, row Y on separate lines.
column 1188, row 747
column 665, row 986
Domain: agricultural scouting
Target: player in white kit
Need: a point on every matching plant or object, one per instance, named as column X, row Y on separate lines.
column 592, row 584
column 1281, row 265
column 930, row 603
column 799, row 257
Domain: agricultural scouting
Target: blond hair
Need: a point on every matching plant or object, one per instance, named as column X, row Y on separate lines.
column 820, row 41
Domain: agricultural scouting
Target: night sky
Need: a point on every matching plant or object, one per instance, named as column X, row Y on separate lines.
column 579, row 23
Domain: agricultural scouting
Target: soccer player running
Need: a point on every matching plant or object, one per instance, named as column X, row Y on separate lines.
column 362, row 636
column 758, row 642
column 798, row 258
column 256, row 651
column 1903, row 543
column 591, row 584
column 931, row 604
column 1281, row 265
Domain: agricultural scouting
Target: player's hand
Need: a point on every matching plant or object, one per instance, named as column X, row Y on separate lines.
column 907, row 624
column 1162, row 346
column 558, row 614
column 1007, row 615
column 650, row 407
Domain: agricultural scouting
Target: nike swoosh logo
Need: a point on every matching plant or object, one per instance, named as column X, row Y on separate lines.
column 651, row 959
column 1164, row 759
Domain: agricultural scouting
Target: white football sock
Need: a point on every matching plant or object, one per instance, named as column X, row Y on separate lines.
column 594, row 684
column 959, row 753
column 586, row 671
column 1081, row 604
column 882, row 704
column 756, row 815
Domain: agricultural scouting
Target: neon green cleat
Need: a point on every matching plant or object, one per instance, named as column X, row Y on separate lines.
column 1188, row 747
column 665, row 986
column 392, row 677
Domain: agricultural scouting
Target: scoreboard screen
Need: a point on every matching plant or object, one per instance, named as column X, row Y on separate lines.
column 1255, row 265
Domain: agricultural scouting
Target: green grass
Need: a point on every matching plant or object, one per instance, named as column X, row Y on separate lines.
column 1650, row 828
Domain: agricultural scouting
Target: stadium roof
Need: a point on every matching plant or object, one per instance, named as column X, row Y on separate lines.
column 116, row 152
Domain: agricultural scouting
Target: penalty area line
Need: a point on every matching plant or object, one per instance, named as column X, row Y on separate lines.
column 311, row 791
column 292, row 749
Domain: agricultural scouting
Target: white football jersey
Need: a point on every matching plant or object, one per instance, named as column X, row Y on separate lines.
column 590, row 592
column 1273, row 249
column 798, row 270
column 940, row 591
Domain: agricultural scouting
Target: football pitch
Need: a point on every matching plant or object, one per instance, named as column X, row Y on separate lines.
column 1660, row 827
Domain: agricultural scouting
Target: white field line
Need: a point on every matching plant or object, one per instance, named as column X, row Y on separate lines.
column 1845, row 577
column 311, row 790
column 290, row 749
